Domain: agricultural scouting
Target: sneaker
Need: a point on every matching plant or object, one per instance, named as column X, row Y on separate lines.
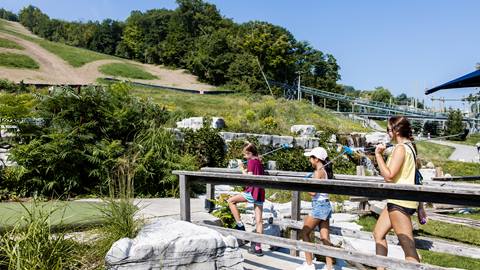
column 254, row 250
column 240, row 228
column 306, row 266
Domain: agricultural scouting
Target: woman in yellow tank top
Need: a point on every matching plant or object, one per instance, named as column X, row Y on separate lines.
column 399, row 169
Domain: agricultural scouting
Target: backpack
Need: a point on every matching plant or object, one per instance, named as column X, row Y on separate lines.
column 418, row 175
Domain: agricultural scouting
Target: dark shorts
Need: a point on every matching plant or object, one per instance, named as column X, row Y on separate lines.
column 394, row 207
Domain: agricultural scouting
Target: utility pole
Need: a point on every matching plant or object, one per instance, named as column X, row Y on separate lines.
column 299, row 90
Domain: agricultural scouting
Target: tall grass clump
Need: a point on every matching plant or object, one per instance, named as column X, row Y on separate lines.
column 31, row 244
column 119, row 210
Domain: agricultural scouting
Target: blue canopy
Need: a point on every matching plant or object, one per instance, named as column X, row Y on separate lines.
column 469, row 80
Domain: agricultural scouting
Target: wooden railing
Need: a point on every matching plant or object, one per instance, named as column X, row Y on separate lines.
column 371, row 187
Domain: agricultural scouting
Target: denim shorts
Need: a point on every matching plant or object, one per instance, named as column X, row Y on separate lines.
column 248, row 196
column 321, row 210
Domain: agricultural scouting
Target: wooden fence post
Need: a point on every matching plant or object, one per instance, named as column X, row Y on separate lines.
column 295, row 216
column 209, row 205
column 184, row 198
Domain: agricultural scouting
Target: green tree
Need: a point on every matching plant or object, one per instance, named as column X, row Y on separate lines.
column 8, row 15
column 454, row 125
column 381, row 94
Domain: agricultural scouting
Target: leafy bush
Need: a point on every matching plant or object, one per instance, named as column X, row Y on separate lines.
column 159, row 155
column 269, row 123
column 223, row 211
column 206, row 145
column 84, row 133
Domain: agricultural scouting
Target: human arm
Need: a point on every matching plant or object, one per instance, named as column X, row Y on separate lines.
column 397, row 159
column 241, row 165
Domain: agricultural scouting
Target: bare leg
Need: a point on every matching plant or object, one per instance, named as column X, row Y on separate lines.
column 258, row 223
column 402, row 225
column 325, row 238
column 232, row 203
column 309, row 225
column 382, row 227
column 258, row 218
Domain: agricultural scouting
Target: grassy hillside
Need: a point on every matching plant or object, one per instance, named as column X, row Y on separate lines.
column 15, row 60
column 438, row 154
column 127, row 71
column 5, row 43
column 74, row 56
column 259, row 114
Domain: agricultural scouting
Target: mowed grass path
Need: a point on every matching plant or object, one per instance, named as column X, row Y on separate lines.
column 5, row 43
column 15, row 60
column 440, row 230
column 127, row 71
column 249, row 114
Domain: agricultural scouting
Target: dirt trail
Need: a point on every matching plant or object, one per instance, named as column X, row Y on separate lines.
column 54, row 70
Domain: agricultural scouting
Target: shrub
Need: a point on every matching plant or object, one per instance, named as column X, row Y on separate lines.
column 269, row 123
column 223, row 211
column 206, row 145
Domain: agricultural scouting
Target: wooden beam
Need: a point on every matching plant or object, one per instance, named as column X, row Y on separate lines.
column 472, row 223
column 457, row 178
column 360, row 257
column 210, row 196
column 348, row 177
column 184, row 198
column 436, row 194
column 424, row 243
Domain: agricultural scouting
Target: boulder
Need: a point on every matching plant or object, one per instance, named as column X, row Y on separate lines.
column 303, row 130
column 172, row 244
column 281, row 140
column 375, row 138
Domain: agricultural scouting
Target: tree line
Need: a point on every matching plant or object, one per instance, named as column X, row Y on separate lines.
column 195, row 36
column 8, row 15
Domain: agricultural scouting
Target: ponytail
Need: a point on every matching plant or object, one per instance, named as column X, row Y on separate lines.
column 328, row 168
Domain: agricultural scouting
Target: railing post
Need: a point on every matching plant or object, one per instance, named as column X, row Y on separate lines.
column 184, row 198
column 209, row 205
column 295, row 216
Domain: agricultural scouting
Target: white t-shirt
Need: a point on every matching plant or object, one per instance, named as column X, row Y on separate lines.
column 321, row 196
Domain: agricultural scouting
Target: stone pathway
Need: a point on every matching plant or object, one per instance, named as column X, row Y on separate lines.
column 465, row 153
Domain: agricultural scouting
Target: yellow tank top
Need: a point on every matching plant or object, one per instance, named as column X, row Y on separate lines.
column 406, row 176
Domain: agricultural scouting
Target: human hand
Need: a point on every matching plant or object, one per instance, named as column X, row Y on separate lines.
column 380, row 148
column 240, row 164
column 422, row 215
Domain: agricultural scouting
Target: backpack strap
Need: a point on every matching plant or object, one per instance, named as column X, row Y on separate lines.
column 414, row 154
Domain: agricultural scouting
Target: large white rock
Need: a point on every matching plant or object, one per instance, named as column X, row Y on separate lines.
column 303, row 130
column 376, row 138
column 172, row 244
column 197, row 123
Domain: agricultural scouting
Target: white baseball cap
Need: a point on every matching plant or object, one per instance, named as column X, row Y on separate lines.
column 318, row 152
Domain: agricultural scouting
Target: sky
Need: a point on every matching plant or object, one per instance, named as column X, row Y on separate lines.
column 403, row 45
